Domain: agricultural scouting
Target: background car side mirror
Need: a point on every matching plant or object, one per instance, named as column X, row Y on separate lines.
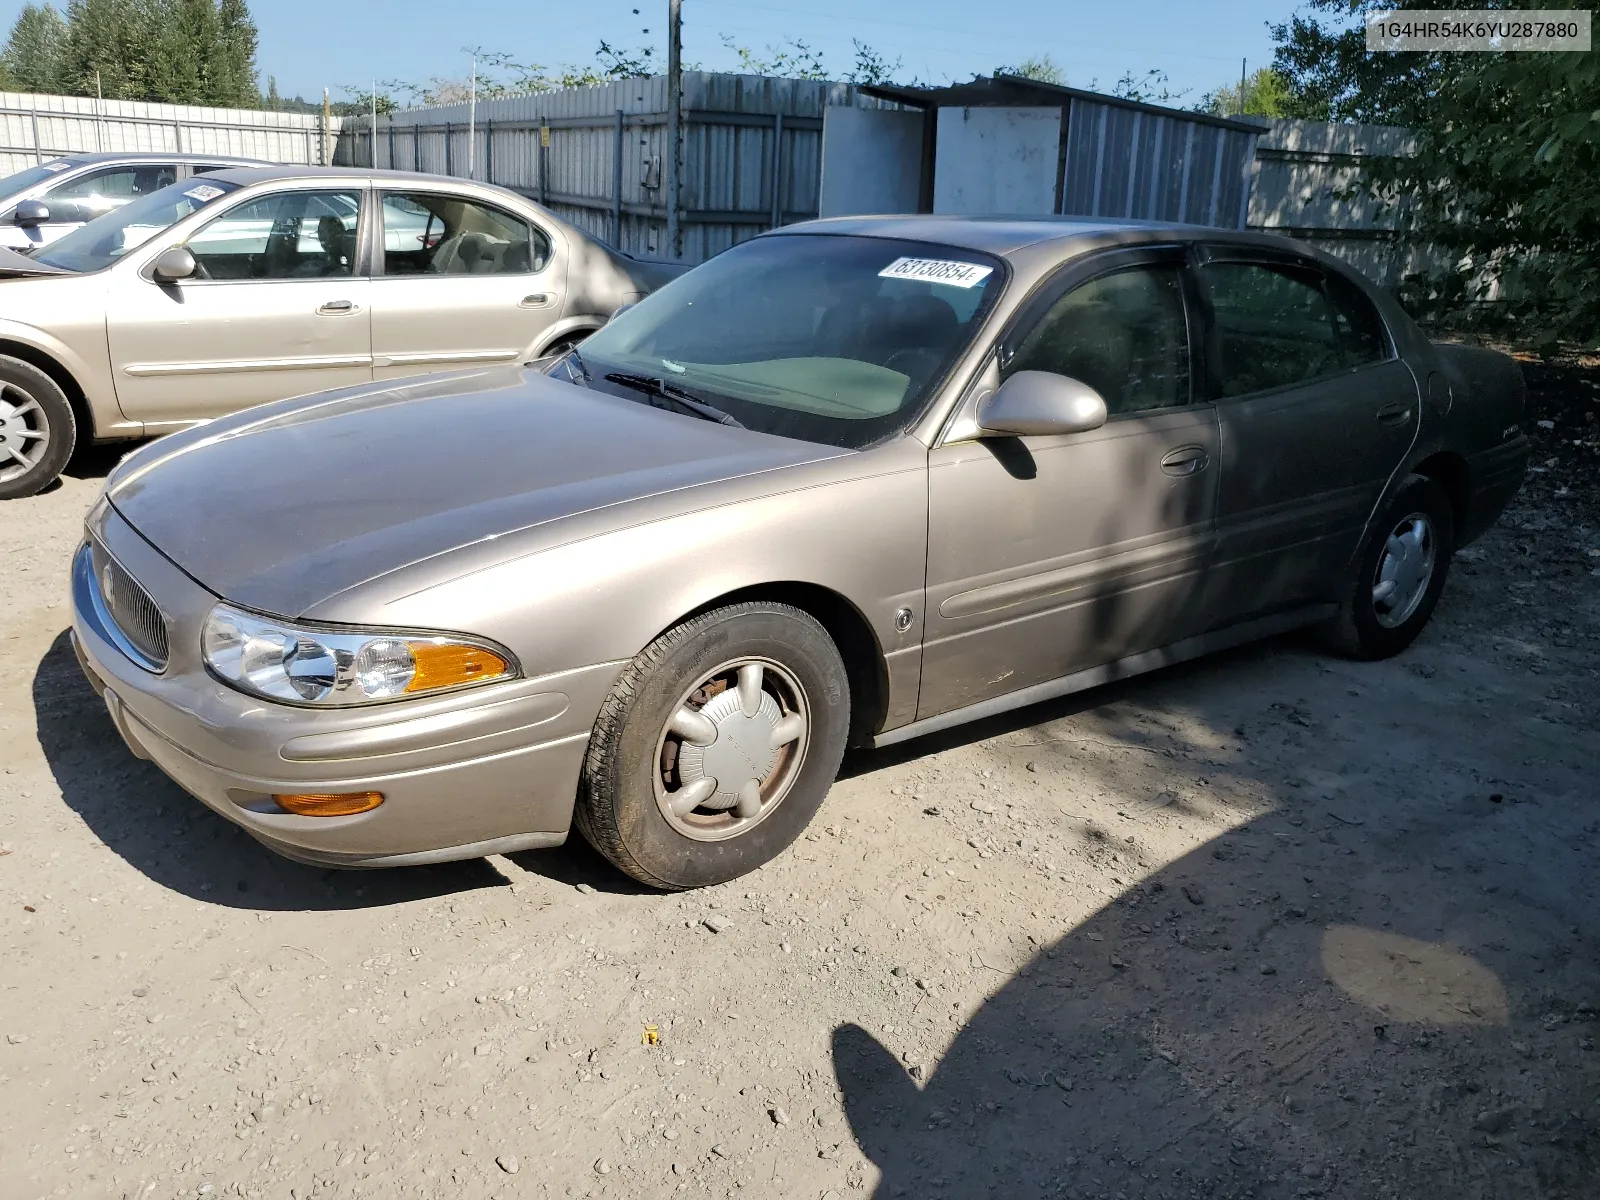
column 1041, row 402
column 29, row 213
column 172, row 264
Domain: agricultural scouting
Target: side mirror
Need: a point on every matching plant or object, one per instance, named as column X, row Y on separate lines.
column 172, row 264
column 30, row 213
column 1040, row 402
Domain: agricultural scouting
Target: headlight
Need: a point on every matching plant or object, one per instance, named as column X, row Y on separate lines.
column 334, row 668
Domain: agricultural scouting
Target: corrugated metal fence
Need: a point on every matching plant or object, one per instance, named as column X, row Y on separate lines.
column 1125, row 160
column 37, row 127
column 1306, row 177
column 752, row 151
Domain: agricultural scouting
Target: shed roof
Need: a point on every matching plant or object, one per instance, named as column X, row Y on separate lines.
column 1021, row 92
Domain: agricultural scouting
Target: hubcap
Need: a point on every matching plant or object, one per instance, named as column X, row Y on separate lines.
column 24, row 433
column 1404, row 572
column 732, row 749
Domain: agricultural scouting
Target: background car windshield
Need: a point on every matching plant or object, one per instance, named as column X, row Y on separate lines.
column 824, row 338
column 24, row 179
column 104, row 240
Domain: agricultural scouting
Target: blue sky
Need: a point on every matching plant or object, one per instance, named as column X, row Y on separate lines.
column 309, row 44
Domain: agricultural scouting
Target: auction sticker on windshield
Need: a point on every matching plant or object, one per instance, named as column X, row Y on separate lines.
column 203, row 192
column 937, row 270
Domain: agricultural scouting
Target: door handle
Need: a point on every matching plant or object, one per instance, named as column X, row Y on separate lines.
column 338, row 306
column 537, row 300
column 1187, row 460
column 1395, row 414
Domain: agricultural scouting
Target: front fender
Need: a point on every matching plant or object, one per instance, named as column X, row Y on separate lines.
column 84, row 354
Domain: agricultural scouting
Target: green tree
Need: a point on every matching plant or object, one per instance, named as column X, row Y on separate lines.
column 1266, row 94
column 233, row 80
column 32, row 59
column 1505, row 183
column 111, row 45
column 1330, row 75
column 1040, row 67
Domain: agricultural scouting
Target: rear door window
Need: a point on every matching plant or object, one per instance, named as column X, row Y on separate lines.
column 1278, row 325
column 433, row 233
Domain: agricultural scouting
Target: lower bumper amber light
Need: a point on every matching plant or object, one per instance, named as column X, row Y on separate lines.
column 329, row 804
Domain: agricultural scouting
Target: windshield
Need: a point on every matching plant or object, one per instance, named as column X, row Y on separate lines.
column 104, row 240
column 25, row 179
column 822, row 337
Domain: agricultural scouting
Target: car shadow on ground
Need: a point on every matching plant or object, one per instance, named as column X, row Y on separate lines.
column 1318, row 1002
column 178, row 842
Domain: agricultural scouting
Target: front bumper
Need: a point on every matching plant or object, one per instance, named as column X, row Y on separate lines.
column 485, row 771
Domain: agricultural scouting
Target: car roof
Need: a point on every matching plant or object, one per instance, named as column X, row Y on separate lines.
column 1004, row 236
column 245, row 176
column 155, row 156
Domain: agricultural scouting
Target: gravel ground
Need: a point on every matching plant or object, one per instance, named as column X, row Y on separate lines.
column 1272, row 924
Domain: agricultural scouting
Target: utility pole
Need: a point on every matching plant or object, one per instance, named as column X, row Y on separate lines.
column 674, row 118
column 1243, row 62
column 374, row 163
column 327, row 124
column 472, row 120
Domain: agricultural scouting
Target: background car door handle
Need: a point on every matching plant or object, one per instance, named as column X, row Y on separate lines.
column 537, row 300
column 1395, row 414
column 338, row 306
column 1186, row 461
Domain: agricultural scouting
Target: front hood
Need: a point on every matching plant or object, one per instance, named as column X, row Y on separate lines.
column 282, row 507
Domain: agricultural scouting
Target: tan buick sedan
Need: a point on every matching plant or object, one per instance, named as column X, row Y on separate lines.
column 256, row 284
column 843, row 484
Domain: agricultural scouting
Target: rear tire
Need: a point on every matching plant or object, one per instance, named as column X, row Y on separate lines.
column 1398, row 575
column 37, row 429
column 716, row 747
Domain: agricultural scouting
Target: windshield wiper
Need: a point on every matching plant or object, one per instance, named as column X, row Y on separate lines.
column 661, row 389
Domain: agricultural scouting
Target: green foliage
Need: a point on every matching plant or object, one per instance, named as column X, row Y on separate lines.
column 1153, row 87
column 33, row 56
column 174, row 51
column 1266, row 94
column 792, row 59
column 1506, row 182
column 871, row 67
column 1323, row 59
column 1040, row 67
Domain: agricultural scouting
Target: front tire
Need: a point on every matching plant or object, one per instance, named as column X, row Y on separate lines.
column 716, row 747
column 37, row 429
column 1399, row 573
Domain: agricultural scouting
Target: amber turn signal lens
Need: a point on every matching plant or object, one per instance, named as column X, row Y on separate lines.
column 449, row 664
column 329, row 804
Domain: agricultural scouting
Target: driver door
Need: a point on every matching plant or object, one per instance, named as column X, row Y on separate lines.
column 1049, row 555
column 279, row 307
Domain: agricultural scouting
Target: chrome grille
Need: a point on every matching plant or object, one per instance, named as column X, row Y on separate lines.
column 130, row 606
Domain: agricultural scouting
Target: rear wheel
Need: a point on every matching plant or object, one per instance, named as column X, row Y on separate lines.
column 716, row 747
column 37, row 429
column 1399, row 573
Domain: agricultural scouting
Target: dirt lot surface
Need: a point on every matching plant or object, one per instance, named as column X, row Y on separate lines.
column 1271, row 925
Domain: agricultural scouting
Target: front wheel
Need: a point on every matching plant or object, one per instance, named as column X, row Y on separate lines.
column 716, row 747
column 37, row 429
column 1399, row 573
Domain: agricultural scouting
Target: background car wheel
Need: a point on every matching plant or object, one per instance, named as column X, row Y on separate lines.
column 1399, row 573
column 716, row 746
column 37, row 429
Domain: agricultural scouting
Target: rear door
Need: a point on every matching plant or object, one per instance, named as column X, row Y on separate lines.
column 1317, row 413
column 278, row 307
column 458, row 282
column 1049, row 555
